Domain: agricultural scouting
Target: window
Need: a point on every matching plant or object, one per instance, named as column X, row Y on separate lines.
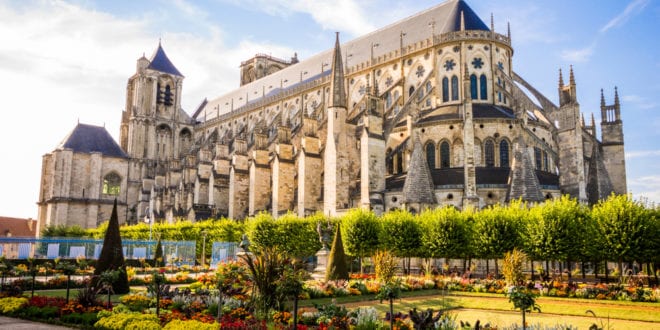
column 390, row 161
column 411, row 90
column 489, row 150
column 430, row 155
column 504, row 153
column 454, row 88
column 111, row 184
column 473, row 87
column 399, row 161
column 483, row 85
column 537, row 158
column 388, row 100
column 444, row 155
column 545, row 161
column 429, row 87
column 445, row 89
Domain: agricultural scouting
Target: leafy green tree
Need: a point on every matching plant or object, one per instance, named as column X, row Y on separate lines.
column 445, row 233
column 553, row 232
column 297, row 236
column 158, row 254
column 112, row 255
column 623, row 226
column 360, row 233
column 337, row 268
column 401, row 234
column 497, row 231
column 262, row 231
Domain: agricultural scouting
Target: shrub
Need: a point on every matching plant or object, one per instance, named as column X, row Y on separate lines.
column 10, row 305
column 84, row 319
column 136, row 301
column 124, row 320
column 190, row 324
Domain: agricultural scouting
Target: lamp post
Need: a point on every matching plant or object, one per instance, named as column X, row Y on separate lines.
column 204, row 233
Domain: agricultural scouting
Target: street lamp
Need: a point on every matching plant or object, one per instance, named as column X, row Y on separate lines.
column 204, row 233
column 148, row 219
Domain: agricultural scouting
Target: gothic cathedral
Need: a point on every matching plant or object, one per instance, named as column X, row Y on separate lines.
column 425, row 112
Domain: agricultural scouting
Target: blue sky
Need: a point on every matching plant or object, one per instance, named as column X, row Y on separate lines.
column 67, row 61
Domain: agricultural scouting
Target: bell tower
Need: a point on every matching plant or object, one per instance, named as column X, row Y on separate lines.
column 611, row 127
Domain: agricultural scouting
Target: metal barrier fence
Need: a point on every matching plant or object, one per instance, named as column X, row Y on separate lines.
column 174, row 252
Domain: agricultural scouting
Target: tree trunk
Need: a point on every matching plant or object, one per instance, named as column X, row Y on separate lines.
column 531, row 262
column 497, row 269
column 547, row 269
column 568, row 265
column 487, row 270
column 523, row 324
column 391, row 314
column 607, row 273
column 584, row 273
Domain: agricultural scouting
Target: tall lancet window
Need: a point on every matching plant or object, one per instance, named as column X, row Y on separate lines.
column 454, row 88
column 483, row 85
column 445, row 89
column 489, row 150
column 444, row 155
column 504, row 153
column 430, row 154
column 473, row 87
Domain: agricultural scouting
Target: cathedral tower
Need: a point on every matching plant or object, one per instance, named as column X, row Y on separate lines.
column 612, row 136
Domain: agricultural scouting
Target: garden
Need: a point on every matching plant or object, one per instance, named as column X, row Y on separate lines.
column 528, row 255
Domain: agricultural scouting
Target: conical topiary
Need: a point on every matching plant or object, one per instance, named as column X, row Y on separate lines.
column 158, row 255
column 337, row 268
column 112, row 255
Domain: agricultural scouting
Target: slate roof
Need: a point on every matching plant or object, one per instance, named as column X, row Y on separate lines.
column 484, row 175
column 18, row 227
column 480, row 110
column 160, row 62
column 88, row 138
column 447, row 18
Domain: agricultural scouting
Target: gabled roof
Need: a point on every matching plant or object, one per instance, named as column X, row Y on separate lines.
column 88, row 138
column 160, row 62
column 15, row 227
column 408, row 31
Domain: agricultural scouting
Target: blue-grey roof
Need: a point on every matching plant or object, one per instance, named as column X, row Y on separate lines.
column 160, row 62
column 88, row 138
column 472, row 20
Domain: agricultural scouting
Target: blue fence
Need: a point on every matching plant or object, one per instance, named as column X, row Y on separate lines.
column 174, row 252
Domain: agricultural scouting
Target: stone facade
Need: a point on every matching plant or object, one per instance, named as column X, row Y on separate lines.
column 363, row 124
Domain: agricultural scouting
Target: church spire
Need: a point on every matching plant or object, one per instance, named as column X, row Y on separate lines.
column 492, row 23
column 338, row 98
column 602, row 99
column 561, row 79
column 616, row 98
column 571, row 79
column 508, row 30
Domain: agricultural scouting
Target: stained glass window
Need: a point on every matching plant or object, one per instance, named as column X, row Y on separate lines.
column 454, row 88
column 478, row 63
column 504, row 153
column 449, row 65
column 430, row 155
column 483, row 85
column 473, row 87
column 445, row 89
column 537, row 158
column 111, row 184
column 444, row 154
column 489, row 150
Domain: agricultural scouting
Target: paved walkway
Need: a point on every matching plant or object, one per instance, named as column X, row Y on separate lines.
column 18, row 324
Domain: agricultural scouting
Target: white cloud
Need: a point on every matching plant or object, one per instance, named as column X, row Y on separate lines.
column 642, row 154
column 646, row 188
column 579, row 55
column 633, row 8
column 345, row 15
column 639, row 101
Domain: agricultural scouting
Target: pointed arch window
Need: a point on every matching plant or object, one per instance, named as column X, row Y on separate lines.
column 545, row 161
column 112, row 184
column 537, row 158
column 429, row 87
column 504, row 153
column 167, row 95
column 445, row 89
column 473, row 87
column 489, row 151
column 454, row 88
column 444, row 154
column 430, row 154
column 390, row 161
column 411, row 90
column 483, row 85
column 399, row 162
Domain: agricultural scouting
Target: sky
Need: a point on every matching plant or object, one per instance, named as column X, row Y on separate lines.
column 64, row 62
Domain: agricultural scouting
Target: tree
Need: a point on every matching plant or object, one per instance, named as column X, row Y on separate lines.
column 553, row 232
column 401, row 234
column 158, row 254
column 497, row 231
column 337, row 268
column 112, row 255
column 623, row 226
column 521, row 297
column 445, row 233
column 361, row 231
